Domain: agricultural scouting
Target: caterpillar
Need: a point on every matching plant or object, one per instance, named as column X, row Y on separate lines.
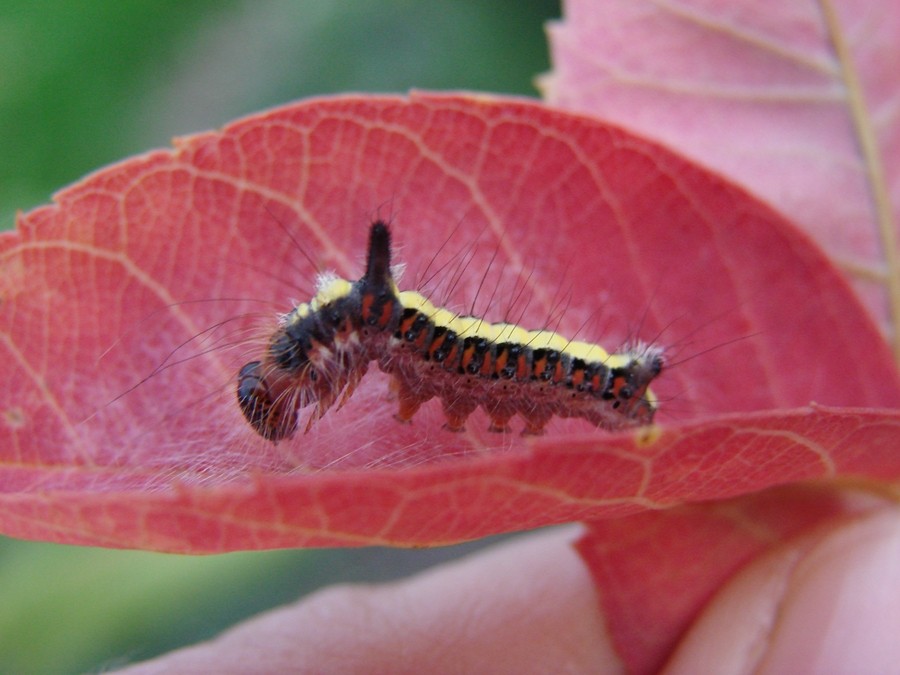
column 322, row 349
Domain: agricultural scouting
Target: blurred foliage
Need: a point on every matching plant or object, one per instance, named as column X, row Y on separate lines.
column 88, row 83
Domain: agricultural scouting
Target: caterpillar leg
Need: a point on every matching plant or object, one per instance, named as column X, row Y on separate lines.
column 499, row 424
column 500, row 415
column 457, row 412
column 353, row 380
column 535, row 423
column 409, row 402
column 330, row 386
column 536, row 413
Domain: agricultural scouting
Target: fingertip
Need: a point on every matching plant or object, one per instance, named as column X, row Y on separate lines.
column 826, row 602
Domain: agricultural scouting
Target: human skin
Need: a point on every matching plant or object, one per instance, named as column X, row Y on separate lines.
column 829, row 603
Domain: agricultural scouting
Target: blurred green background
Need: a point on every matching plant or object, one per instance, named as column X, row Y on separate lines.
column 85, row 84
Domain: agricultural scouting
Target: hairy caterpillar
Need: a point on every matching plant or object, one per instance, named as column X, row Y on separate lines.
column 322, row 349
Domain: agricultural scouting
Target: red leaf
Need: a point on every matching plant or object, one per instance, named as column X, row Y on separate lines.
column 164, row 264
column 798, row 101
